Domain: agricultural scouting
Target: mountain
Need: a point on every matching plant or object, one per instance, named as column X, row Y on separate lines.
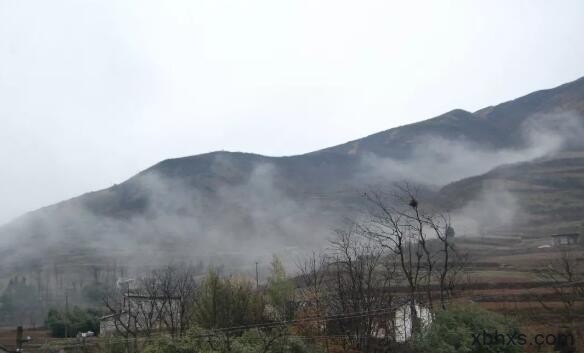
column 548, row 192
column 233, row 205
column 497, row 126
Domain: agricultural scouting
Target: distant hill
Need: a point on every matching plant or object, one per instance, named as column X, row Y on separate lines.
column 497, row 126
column 549, row 192
column 233, row 205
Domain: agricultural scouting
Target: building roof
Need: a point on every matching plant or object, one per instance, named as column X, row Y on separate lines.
column 111, row 316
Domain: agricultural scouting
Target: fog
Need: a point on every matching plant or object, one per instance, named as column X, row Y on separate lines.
column 92, row 92
column 232, row 211
column 234, row 227
column 177, row 218
column 437, row 161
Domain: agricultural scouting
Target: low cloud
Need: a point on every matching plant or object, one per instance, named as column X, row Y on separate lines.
column 238, row 216
column 437, row 161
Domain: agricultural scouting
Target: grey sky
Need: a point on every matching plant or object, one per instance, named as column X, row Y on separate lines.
column 92, row 92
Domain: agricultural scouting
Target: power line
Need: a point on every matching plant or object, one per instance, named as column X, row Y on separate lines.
column 214, row 332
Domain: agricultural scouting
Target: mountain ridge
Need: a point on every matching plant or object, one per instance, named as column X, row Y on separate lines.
column 222, row 195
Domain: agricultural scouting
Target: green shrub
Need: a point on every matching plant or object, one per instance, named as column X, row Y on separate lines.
column 469, row 329
column 68, row 323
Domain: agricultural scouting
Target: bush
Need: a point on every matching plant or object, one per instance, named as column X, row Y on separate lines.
column 251, row 341
column 69, row 323
column 452, row 332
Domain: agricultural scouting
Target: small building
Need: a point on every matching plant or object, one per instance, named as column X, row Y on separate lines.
column 566, row 239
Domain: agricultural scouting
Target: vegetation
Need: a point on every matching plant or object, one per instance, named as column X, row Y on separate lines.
column 348, row 298
column 67, row 323
column 224, row 302
column 389, row 282
column 454, row 331
column 251, row 341
column 18, row 303
column 280, row 290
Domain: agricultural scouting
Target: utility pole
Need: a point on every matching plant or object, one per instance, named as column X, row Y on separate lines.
column 19, row 340
column 66, row 312
column 257, row 276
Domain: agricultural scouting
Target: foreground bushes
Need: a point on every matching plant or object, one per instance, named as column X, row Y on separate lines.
column 200, row 341
column 469, row 329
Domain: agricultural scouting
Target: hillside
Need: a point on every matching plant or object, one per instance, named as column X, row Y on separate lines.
column 549, row 192
column 235, row 205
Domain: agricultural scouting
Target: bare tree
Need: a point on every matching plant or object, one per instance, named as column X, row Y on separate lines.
column 566, row 276
column 398, row 231
column 176, row 292
column 360, row 282
column 451, row 263
column 121, row 316
column 162, row 300
column 421, row 238
column 312, row 274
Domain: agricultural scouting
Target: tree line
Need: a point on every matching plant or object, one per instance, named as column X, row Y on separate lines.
column 378, row 284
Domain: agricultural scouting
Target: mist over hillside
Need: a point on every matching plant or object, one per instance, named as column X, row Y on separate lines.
column 236, row 208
